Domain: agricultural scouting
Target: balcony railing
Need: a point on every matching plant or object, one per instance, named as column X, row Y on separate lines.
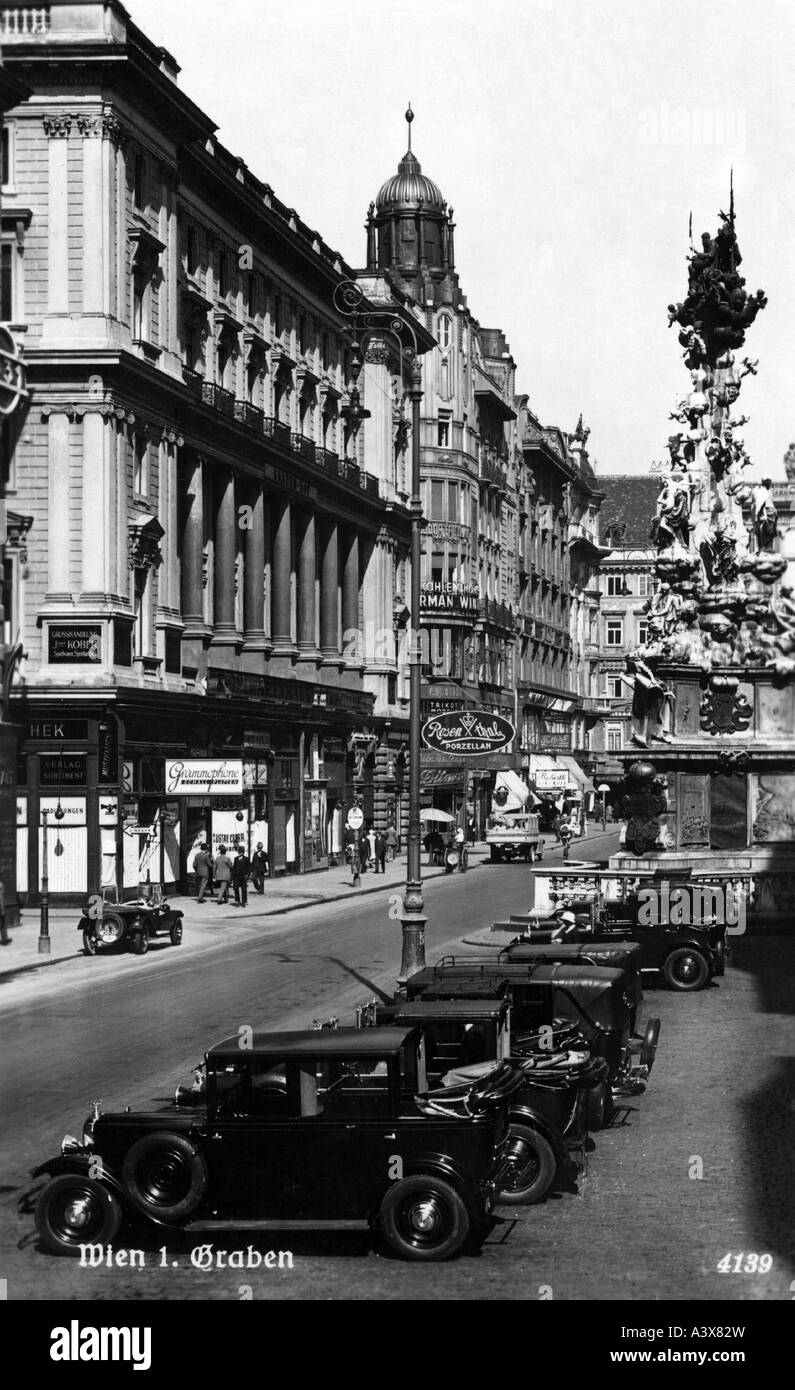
column 305, row 448
column 498, row 613
column 194, row 381
column 277, row 431
column 219, row 398
column 250, row 415
column 369, row 484
column 20, row 23
column 327, row 460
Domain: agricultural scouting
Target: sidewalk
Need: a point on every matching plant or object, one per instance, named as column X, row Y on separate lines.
column 205, row 923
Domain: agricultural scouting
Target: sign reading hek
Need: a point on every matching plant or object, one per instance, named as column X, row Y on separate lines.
column 467, row 732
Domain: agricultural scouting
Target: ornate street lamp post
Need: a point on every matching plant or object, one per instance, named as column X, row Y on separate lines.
column 44, row 920
column 365, row 321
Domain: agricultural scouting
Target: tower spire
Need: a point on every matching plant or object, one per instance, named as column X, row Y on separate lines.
column 409, row 119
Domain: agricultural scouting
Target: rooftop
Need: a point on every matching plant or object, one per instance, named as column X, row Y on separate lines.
column 315, row 1042
column 630, row 501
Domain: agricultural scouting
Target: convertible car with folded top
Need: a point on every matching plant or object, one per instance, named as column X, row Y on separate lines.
column 299, row 1131
column 564, row 1091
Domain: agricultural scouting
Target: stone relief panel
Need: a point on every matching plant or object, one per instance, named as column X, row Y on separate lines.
column 775, row 711
column 693, row 809
column 774, row 815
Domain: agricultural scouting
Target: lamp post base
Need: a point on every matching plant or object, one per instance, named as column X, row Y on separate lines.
column 413, row 959
column 45, row 946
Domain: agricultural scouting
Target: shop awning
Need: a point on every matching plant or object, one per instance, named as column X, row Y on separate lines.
column 518, row 794
column 577, row 775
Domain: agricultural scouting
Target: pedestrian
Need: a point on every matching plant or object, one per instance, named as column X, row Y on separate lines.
column 391, row 841
column 222, row 873
column 241, row 869
column 364, row 851
column 202, row 868
column 259, row 868
column 380, row 852
column 371, row 845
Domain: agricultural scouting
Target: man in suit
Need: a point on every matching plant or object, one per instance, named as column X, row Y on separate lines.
column 241, row 869
column 222, row 873
column 203, row 868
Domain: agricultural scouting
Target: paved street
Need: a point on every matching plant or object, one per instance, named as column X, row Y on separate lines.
column 640, row 1227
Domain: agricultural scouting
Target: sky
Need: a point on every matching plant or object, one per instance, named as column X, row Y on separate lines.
column 573, row 138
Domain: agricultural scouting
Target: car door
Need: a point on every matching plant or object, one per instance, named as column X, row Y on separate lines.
column 252, row 1142
column 346, row 1137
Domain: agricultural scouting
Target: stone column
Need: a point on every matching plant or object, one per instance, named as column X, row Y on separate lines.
column 95, row 545
column 225, row 627
column 329, row 596
column 352, row 638
column 254, row 562
column 59, row 549
column 307, row 642
column 57, row 127
column 193, row 549
column 281, row 582
column 96, row 212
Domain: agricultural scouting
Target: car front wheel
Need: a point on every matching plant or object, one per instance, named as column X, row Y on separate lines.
column 424, row 1218
column 685, row 969
column 532, row 1170
column 140, row 941
column 176, row 933
column 90, row 943
column 74, row 1210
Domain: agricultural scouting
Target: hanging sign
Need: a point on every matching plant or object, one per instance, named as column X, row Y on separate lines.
column 204, row 777
column 468, row 732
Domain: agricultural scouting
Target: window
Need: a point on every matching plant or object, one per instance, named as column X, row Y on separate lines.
column 445, row 331
column 443, row 433
column 139, row 181
column 223, row 274
column 302, row 332
column 643, row 633
column 452, row 501
column 324, row 350
column 615, row 688
column 615, row 585
column 613, row 738
column 614, row 632
column 278, row 319
column 140, row 613
column 437, row 500
column 7, row 156
column 644, row 585
column 140, row 465
column 140, row 288
column 7, row 282
column 192, row 251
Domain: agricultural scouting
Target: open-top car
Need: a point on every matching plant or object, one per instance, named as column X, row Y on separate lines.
column 299, row 1130
column 549, row 1113
column 686, row 955
column 129, row 925
column 597, row 1000
column 622, row 955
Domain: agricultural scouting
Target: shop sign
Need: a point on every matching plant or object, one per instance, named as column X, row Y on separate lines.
column 439, row 598
column 255, row 774
column 108, row 811
column 467, row 732
column 204, row 776
column 441, row 777
column 57, row 730
column 70, row 643
column 257, row 739
column 62, row 769
column 549, row 779
column 128, row 777
column 73, row 807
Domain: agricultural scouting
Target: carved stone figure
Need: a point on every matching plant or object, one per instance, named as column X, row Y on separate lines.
column 765, row 515
column 649, row 699
column 672, row 522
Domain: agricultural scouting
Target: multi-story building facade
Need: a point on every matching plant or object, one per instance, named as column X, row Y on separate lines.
column 211, row 536
column 627, row 581
column 468, row 576
column 558, row 555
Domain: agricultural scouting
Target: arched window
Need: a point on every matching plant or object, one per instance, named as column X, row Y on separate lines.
column 445, row 331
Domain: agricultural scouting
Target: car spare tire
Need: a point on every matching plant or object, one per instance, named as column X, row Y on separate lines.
column 165, row 1175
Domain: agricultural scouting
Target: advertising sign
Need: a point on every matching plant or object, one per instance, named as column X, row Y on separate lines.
column 355, row 818
column 72, row 643
column 468, row 732
column 548, row 779
column 204, row 776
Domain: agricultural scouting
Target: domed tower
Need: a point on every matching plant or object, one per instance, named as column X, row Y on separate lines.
column 410, row 228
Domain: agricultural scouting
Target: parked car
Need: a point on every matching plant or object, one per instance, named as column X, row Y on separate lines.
column 549, row 1113
column 130, row 925
column 686, row 956
column 597, row 1000
column 622, row 955
column 300, row 1130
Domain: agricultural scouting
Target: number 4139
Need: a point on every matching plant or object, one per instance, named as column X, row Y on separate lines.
column 745, row 1264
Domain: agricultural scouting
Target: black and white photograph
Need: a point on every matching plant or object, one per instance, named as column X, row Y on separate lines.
column 397, row 665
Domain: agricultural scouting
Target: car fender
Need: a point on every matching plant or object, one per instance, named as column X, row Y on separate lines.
column 446, row 1168
column 526, row 1115
column 82, row 1163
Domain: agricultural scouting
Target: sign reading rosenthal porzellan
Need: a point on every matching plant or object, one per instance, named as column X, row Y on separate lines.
column 468, row 732
column 74, row 642
column 204, row 776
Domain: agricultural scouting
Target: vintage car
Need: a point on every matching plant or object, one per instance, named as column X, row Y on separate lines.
column 129, row 925
column 687, row 956
column 549, row 1113
column 596, row 999
column 514, row 836
column 623, row 955
column 297, row 1131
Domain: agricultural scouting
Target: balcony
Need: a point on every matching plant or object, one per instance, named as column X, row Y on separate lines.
column 250, row 415
column 327, row 460
column 369, row 484
column 303, row 447
column 498, row 614
column 278, row 432
column 194, row 382
column 218, row 398
column 24, row 22
column 492, row 475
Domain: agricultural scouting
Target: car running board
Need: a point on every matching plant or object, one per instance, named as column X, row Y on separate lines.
column 273, row 1225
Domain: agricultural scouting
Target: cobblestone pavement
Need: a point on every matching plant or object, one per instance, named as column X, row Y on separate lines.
column 722, row 1093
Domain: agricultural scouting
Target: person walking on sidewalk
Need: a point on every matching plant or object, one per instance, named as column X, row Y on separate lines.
column 259, row 868
column 391, row 841
column 240, row 872
column 222, row 873
column 380, row 852
column 202, row 868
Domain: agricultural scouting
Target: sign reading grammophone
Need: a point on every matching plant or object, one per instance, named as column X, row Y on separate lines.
column 204, row 776
column 355, row 818
column 468, row 732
